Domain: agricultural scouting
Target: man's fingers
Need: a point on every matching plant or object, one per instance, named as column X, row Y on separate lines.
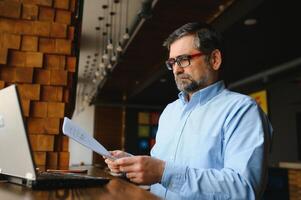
column 126, row 161
column 134, row 177
column 128, row 168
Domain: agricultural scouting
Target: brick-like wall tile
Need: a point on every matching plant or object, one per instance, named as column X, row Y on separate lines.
column 58, row 30
column 71, row 31
column 12, row 41
column 63, row 160
column 47, row 45
column 17, row 58
column 52, row 160
column 62, row 4
column 42, row 142
column 38, row 109
column 39, row 2
column 25, row 59
column 7, row 41
column 59, row 77
column 22, row 27
column 8, row 74
column 29, row 43
column 41, row 28
column 24, row 75
column 46, row 14
column 66, row 95
column 71, row 64
column 35, row 126
column 43, row 125
column 52, row 126
column 29, row 91
column 26, row 27
column 3, row 54
column 34, row 59
column 25, row 104
column 55, row 62
column 61, row 143
column 42, row 76
column 63, row 46
column 10, row 9
column 55, row 46
column 2, row 84
column 52, row 93
column 30, row 12
column 56, row 110
column 39, row 157
column 63, row 17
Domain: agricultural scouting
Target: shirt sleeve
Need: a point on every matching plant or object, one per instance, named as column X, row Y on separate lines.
column 245, row 150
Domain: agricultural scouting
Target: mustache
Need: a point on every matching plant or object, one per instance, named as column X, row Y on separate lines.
column 183, row 76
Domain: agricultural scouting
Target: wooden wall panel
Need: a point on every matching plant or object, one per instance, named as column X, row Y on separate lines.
column 107, row 129
column 39, row 2
column 29, row 91
column 42, row 142
column 30, row 12
column 52, row 93
column 2, row 84
column 40, row 158
column 46, row 14
column 10, row 9
column 55, row 61
column 36, row 53
column 62, row 4
column 29, row 43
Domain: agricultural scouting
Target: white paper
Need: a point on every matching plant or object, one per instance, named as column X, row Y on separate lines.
column 81, row 136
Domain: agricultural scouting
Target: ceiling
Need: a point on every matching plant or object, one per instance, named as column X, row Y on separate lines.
column 140, row 77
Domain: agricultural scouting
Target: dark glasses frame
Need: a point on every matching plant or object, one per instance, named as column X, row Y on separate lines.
column 179, row 59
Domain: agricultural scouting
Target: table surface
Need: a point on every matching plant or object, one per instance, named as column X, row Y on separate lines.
column 116, row 188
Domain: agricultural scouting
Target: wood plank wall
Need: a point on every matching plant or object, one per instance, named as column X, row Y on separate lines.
column 107, row 129
column 37, row 54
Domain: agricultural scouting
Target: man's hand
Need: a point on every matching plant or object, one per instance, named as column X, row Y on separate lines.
column 141, row 169
column 111, row 164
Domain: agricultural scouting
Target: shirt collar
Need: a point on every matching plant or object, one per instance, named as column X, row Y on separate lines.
column 205, row 94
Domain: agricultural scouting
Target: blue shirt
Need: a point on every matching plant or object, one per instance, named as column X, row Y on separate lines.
column 215, row 146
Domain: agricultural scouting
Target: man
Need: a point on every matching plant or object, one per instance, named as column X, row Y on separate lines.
column 211, row 143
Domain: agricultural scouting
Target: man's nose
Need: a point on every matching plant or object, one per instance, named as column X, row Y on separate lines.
column 177, row 69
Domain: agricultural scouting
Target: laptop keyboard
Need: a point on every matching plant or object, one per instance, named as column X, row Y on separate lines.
column 53, row 180
column 56, row 175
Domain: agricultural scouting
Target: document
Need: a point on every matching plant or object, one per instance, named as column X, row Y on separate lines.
column 78, row 134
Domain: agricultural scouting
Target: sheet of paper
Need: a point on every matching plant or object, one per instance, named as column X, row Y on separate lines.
column 81, row 136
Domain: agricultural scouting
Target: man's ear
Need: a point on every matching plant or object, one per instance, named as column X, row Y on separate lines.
column 216, row 59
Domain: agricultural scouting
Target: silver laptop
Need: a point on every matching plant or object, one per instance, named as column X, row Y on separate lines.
column 16, row 161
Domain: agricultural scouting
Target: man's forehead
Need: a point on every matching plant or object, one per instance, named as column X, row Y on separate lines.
column 183, row 44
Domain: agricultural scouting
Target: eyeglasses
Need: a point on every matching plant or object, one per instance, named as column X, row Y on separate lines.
column 181, row 60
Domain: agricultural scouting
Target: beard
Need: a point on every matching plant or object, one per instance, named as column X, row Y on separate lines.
column 187, row 84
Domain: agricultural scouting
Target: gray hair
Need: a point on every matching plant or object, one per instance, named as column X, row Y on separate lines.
column 206, row 38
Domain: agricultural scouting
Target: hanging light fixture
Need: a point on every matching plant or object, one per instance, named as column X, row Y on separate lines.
column 105, row 55
column 101, row 64
column 114, row 57
column 110, row 42
column 119, row 45
column 126, row 35
column 110, row 66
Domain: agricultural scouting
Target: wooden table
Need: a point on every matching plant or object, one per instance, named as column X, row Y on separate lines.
column 116, row 189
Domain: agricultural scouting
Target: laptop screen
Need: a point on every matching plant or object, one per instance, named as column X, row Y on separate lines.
column 15, row 154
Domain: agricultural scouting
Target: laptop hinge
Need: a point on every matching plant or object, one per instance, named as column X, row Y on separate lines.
column 19, row 181
column 16, row 180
